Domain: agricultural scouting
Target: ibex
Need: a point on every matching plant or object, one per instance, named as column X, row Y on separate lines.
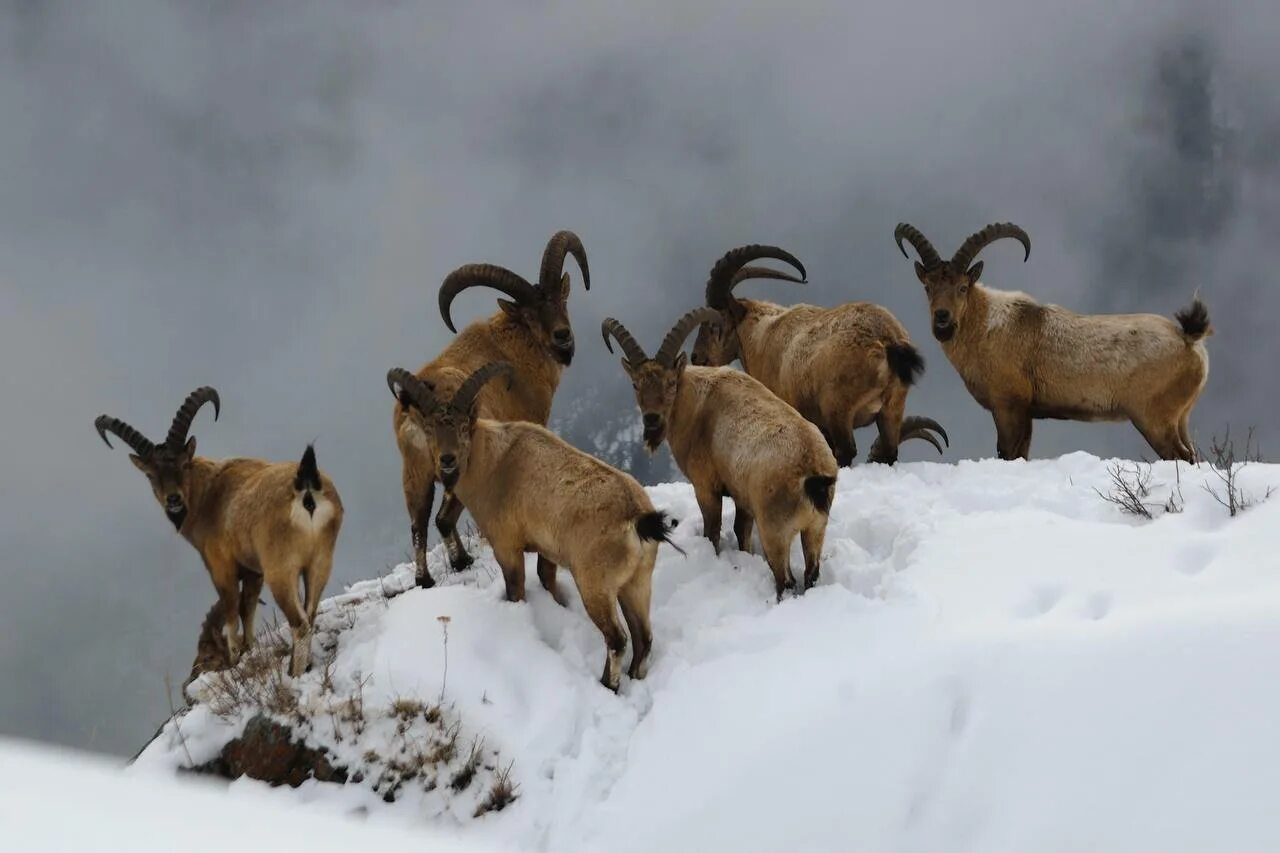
column 529, row 490
column 1022, row 360
column 531, row 332
column 732, row 437
column 250, row 520
column 841, row 368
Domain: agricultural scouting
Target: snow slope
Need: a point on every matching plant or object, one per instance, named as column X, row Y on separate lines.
column 995, row 660
column 64, row 802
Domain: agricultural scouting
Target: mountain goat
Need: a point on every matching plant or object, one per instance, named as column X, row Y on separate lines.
column 529, row 490
column 531, row 332
column 250, row 520
column 841, row 368
column 1022, row 360
column 732, row 437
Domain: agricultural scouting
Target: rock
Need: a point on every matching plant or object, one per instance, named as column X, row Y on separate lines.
column 267, row 751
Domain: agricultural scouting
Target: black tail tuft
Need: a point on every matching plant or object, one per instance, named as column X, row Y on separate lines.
column 819, row 489
column 1194, row 320
column 653, row 527
column 308, row 474
column 905, row 361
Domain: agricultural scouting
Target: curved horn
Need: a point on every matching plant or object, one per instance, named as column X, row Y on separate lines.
column 136, row 440
column 562, row 243
column 632, row 350
column 187, row 412
column 466, row 395
column 763, row 272
column 915, row 426
column 928, row 255
column 671, row 344
column 486, row 275
column 722, row 279
column 970, row 248
column 414, row 390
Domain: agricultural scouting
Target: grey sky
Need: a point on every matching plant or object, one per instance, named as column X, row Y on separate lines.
column 264, row 197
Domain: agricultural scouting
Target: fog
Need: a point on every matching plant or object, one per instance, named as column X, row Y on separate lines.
column 265, row 197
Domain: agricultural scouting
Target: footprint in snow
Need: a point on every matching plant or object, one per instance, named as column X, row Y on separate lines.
column 1097, row 605
column 1041, row 601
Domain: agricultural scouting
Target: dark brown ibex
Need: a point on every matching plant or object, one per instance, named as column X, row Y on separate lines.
column 531, row 332
column 250, row 520
column 1022, row 360
column 732, row 437
column 842, row 368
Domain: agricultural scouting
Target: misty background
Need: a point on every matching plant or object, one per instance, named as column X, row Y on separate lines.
column 265, row 197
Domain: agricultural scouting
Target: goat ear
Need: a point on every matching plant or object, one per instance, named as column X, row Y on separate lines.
column 564, row 288
column 138, row 462
column 626, row 365
column 510, row 308
column 682, row 361
column 190, row 450
column 974, row 272
column 920, row 271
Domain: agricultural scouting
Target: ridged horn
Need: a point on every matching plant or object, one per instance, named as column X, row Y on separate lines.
column 466, row 396
column 723, row 278
column 630, row 348
column 928, row 255
column 181, row 425
column 970, row 248
column 671, row 344
column 414, row 389
column 482, row 275
column 763, row 272
column 562, row 243
column 130, row 436
column 916, row 426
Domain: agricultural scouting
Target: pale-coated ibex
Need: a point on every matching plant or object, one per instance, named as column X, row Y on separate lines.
column 1022, row 360
column 733, row 437
column 841, row 368
column 529, row 490
column 250, row 520
column 531, row 332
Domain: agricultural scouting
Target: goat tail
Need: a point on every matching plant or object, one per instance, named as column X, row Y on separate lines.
column 1194, row 320
column 820, row 491
column 905, row 361
column 308, row 477
column 654, row 527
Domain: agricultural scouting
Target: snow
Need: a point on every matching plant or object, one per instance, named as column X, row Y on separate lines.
column 63, row 802
column 995, row 659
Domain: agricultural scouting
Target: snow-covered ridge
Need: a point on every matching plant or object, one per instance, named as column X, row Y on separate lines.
column 995, row 659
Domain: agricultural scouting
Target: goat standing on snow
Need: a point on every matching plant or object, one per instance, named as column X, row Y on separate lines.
column 529, row 490
column 249, row 519
column 1022, row 360
column 532, row 334
column 841, row 368
column 732, row 437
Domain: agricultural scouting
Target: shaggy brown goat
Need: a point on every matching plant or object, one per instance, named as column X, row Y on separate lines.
column 1022, row 360
column 531, row 332
column 250, row 520
column 529, row 490
column 732, row 437
column 841, row 368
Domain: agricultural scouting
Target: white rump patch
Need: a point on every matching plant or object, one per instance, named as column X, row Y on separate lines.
column 311, row 521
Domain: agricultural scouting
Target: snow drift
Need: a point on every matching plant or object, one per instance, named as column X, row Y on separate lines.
column 996, row 659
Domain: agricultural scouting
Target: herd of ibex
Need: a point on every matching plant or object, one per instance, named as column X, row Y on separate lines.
column 771, row 436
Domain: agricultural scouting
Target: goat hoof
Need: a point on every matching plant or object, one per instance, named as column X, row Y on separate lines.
column 424, row 580
column 462, row 563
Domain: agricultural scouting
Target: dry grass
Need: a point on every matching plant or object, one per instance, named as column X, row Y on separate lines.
column 502, row 793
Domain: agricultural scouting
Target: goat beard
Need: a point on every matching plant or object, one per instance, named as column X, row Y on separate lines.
column 944, row 333
column 653, row 438
column 176, row 517
column 564, row 355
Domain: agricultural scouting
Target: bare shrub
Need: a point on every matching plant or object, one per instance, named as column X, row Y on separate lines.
column 1226, row 463
column 1130, row 487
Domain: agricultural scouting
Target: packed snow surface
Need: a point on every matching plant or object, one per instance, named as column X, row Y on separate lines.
column 995, row 659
